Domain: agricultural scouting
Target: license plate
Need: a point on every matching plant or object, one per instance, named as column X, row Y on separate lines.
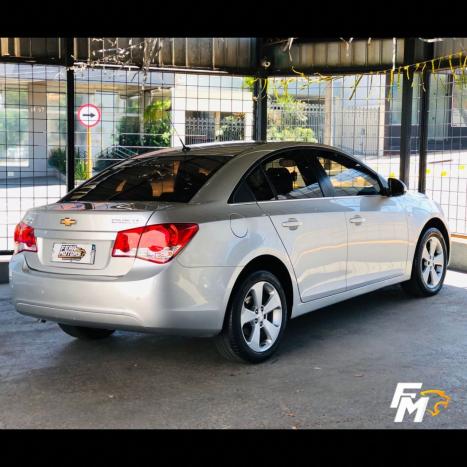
column 83, row 253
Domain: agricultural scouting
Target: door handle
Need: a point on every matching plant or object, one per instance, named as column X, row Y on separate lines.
column 292, row 224
column 357, row 220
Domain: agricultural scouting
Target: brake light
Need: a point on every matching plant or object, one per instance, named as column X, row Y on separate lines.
column 157, row 243
column 25, row 240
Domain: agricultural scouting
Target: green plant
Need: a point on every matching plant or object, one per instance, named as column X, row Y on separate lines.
column 249, row 83
column 288, row 118
column 232, row 128
column 80, row 170
column 57, row 159
column 291, row 134
column 157, row 126
column 128, row 130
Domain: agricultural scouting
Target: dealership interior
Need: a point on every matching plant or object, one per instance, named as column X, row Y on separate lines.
column 397, row 104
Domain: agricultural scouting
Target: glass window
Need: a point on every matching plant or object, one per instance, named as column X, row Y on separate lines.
column 166, row 178
column 259, row 185
column 348, row 179
column 243, row 194
column 293, row 176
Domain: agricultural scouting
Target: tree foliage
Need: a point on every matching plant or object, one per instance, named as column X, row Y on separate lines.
column 157, row 126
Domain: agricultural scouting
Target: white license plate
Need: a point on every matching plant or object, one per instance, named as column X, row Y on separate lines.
column 83, row 253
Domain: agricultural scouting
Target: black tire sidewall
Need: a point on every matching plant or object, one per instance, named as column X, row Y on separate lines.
column 417, row 265
column 85, row 333
column 236, row 338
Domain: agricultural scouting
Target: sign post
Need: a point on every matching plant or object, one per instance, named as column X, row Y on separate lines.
column 89, row 115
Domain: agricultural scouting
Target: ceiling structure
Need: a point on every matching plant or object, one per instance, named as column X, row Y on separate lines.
column 237, row 55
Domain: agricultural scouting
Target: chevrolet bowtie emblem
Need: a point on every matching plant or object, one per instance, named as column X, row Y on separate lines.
column 67, row 221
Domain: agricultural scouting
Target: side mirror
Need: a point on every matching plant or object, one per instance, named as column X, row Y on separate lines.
column 396, row 187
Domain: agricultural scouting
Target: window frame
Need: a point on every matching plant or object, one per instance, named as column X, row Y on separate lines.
column 323, row 179
column 265, row 159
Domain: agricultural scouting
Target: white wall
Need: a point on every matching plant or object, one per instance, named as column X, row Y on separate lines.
column 209, row 99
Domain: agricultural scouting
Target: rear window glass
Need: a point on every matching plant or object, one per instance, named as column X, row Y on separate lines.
column 161, row 178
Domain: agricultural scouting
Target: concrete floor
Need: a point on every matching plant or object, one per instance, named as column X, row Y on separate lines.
column 337, row 368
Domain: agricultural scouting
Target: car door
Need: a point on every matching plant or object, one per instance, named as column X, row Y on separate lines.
column 313, row 232
column 376, row 223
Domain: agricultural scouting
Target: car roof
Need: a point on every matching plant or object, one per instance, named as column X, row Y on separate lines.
column 231, row 148
column 227, row 149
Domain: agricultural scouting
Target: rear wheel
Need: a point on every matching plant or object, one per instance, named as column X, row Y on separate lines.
column 84, row 333
column 255, row 320
column 429, row 265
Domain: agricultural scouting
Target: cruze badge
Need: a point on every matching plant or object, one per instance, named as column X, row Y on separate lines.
column 67, row 222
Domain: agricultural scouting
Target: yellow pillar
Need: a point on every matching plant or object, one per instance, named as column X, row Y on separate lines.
column 88, row 154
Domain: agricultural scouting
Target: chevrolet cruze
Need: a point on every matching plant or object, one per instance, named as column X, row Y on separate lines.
column 225, row 240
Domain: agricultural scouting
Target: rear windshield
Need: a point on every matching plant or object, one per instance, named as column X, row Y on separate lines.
column 162, row 178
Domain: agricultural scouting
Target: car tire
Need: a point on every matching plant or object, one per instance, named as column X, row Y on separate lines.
column 429, row 265
column 253, row 328
column 84, row 333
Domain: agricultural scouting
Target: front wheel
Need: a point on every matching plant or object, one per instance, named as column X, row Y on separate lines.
column 255, row 320
column 84, row 333
column 429, row 265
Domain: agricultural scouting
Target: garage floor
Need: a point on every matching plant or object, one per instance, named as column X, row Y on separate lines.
column 337, row 368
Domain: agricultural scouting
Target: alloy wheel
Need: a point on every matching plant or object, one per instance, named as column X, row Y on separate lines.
column 432, row 262
column 261, row 316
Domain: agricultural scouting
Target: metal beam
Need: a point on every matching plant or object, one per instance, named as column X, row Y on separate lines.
column 260, row 96
column 406, row 116
column 423, row 130
column 425, row 78
column 260, row 110
column 70, row 107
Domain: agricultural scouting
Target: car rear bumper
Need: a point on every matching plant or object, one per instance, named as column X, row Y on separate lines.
column 175, row 300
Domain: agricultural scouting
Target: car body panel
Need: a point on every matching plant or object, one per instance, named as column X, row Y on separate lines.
column 137, row 301
column 317, row 248
column 377, row 247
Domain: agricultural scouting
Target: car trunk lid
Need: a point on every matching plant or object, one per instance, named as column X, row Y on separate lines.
column 78, row 237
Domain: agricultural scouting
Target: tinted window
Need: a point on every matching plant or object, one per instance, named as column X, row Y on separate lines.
column 293, row 177
column 243, row 194
column 259, row 185
column 161, row 178
column 348, row 178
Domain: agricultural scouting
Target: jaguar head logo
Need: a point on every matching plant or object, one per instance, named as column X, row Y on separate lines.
column 444, row 402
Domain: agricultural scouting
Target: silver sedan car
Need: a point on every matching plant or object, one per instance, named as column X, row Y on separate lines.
column 225, row 240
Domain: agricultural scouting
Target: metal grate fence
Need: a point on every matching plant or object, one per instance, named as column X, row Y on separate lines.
column 137, row 114
column 141, row 114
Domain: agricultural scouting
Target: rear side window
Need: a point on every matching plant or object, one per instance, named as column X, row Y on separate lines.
column 259, row 185
column 162, row 178
column 243, row 194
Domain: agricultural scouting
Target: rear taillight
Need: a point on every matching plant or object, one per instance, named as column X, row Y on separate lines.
column 157, row 243
column 25, row 240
